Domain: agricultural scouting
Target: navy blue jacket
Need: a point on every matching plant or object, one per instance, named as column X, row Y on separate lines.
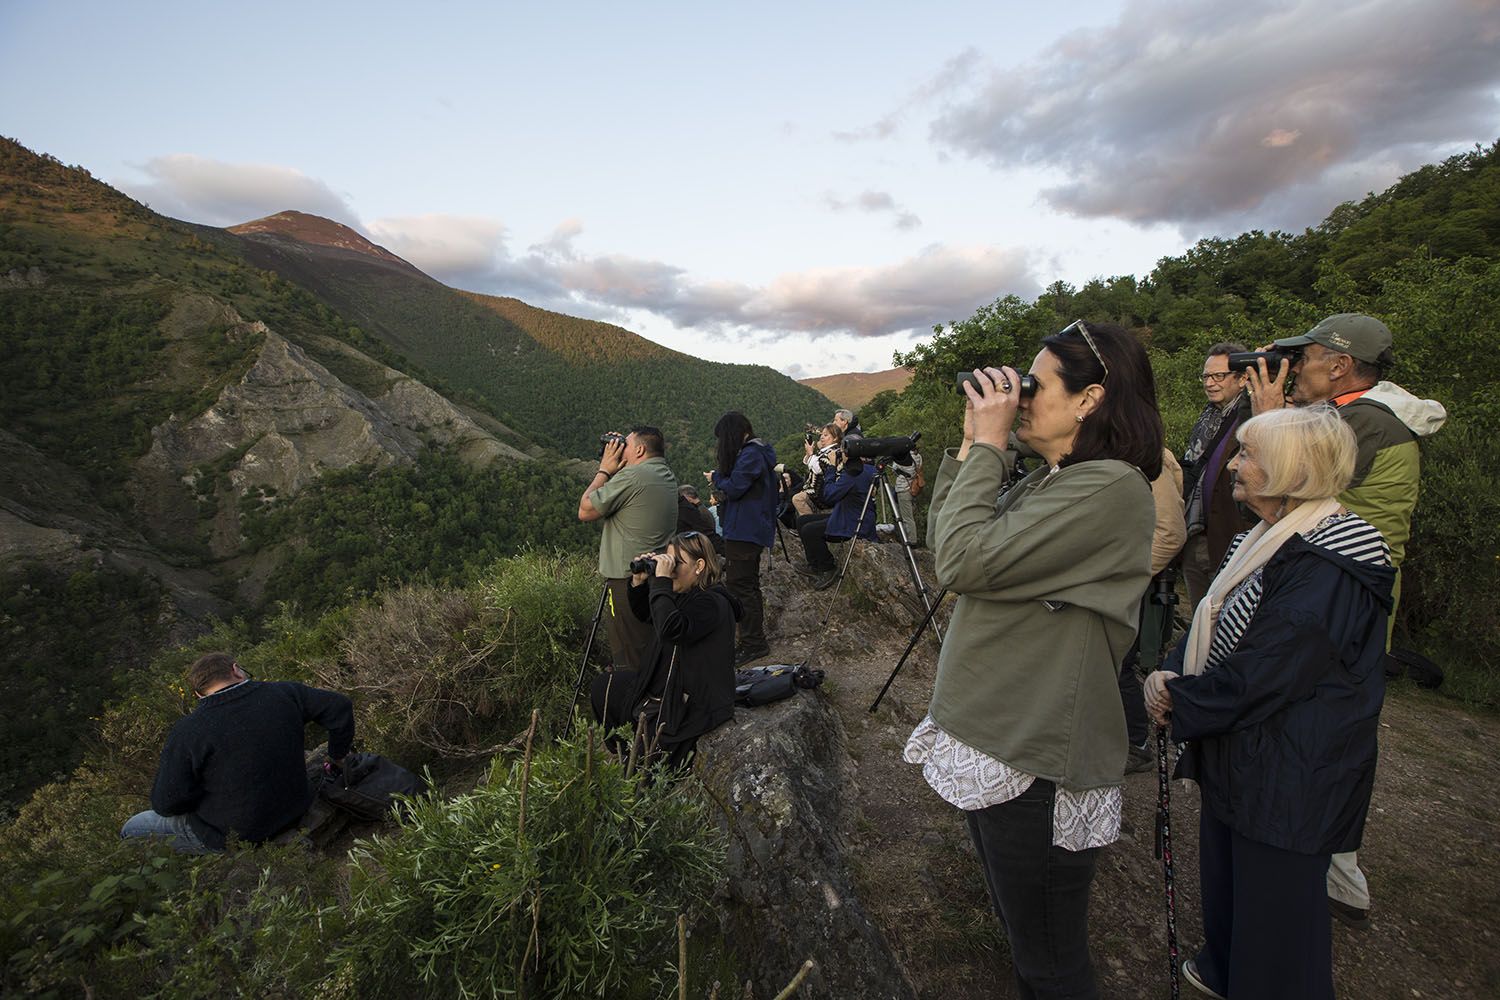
column 845, row 490
column 748, row 513
column 235, row 763
column 1284, row 729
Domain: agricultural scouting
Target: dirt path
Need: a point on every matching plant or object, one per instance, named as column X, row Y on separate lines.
column 1431, row 846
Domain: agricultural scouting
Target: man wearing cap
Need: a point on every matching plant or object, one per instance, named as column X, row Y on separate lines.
column 1341, row 361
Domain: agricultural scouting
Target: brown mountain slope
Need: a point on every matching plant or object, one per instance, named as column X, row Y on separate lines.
column 577, row 340
column 318, row 231
column 855, row 389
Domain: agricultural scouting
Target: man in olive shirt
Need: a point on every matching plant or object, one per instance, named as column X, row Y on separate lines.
column 635, row 495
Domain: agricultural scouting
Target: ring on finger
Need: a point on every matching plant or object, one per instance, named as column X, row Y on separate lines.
column 1005, row 385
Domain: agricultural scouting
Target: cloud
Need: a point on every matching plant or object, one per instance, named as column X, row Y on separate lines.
column 874, row 202
column 215, row 193
column 953, row 74
column 937, row 285
column 1196, row 113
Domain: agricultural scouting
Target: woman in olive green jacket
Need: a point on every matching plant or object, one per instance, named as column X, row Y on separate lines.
column 1025, row 732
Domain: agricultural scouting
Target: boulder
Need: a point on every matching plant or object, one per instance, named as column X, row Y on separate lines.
column 782, row 783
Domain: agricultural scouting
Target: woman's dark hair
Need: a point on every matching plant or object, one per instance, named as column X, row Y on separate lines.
column 732, row 430
column 1126, row 424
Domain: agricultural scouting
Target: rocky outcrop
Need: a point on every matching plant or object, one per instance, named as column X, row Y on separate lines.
column 782, row 781
column 286, row 422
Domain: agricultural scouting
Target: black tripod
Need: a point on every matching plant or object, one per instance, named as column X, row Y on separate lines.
column 883, row 484
column 583, row 662
column 1158, row 606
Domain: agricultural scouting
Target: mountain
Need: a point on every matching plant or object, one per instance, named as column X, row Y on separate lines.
column 854, row 389
column 557, row 379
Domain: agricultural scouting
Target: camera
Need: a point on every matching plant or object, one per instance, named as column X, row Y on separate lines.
column 643, row 564
column 881, row 447
column 608, row 438
column 811, row 433
column 1027, row 386
column 1240, row 360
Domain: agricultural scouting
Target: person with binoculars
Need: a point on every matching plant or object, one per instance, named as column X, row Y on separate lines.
column 1025, row 732
column 842, row 485
column 685, row 684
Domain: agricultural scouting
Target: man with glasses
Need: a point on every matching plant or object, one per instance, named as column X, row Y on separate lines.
column 1213, row 518
column 235, row 764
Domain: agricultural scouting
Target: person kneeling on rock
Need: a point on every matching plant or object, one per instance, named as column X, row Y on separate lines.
column 685, row 686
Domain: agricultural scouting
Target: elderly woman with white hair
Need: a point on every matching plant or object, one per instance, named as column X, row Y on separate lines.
column 1277, row 689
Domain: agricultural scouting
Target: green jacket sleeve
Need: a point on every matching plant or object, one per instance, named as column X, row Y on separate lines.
column 1088, row 526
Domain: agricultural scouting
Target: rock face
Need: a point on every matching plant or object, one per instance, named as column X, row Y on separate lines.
column 781, row 779
column 284, row 424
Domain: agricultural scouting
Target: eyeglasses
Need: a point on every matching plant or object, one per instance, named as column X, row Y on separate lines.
column 1077, row 324
column 1215, row 377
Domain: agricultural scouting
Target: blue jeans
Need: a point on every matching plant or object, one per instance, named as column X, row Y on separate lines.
column 176, row 830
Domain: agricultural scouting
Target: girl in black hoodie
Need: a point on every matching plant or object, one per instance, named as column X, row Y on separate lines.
column 688, row 668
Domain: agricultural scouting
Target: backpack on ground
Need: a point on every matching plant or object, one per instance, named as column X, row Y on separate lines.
column 756, row 686
column 1414, row 665
column 367, row 786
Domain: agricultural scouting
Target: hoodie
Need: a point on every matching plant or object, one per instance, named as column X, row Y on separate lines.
column 1387, row 421
column 748, row 513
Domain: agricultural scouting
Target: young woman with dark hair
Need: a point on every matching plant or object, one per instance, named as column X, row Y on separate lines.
column 746, row 478
column 1025, row 732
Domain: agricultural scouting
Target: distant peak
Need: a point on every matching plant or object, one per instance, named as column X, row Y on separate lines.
column 317, row 230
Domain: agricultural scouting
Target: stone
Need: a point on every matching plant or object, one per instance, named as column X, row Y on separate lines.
column 780, row 777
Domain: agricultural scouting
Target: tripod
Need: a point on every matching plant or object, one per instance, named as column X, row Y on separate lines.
column 583, row 662
column 1161, row 600
column 883, row 484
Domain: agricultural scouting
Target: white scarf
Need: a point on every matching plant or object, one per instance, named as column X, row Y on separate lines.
column 1261, row 543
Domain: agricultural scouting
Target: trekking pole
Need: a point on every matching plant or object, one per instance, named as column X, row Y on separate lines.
column 583, row 663
column 1164, row 853
column 911, row 645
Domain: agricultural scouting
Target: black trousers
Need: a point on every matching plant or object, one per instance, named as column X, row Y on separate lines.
column 1265, row 918
column 1040, row 893
column 813, row 529
column 1133, row 699
column 742, row 576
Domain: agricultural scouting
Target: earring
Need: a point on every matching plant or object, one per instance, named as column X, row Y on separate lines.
column 1078, row 417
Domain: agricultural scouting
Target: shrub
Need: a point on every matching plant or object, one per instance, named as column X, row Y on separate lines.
column 558, row 880
column 454, row 672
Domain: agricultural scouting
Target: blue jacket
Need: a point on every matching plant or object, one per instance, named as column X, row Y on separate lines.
column 845, row 490
column 748, row 513
column 1284, row 729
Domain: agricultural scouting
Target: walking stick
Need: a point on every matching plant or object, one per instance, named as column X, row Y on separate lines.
column 583, row 662
column 1164, row 852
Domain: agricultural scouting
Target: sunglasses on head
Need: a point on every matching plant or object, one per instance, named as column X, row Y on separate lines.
column 1088, row 338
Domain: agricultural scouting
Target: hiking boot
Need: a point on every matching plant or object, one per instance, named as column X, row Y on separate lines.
column 826, row 579
column 1190, row 973
column 747, row 654
column 806, row 570
column 1141, row 759
column 1353, row 916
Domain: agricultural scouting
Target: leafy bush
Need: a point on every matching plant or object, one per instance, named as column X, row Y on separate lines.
column 562, row 879
column 455, row 672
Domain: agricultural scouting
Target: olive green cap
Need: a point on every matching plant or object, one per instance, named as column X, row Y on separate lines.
column 1355, row 334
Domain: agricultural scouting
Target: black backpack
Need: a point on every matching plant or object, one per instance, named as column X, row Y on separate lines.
column 367, row 786
column 756, row 686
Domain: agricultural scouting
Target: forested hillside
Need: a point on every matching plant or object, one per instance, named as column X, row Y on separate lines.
column 118, row 329
column 1424, row 256
column 558, row 379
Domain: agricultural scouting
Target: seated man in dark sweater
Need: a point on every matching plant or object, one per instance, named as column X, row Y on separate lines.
column 235, row 764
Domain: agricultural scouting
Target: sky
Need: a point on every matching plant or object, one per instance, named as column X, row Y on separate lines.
column 806, row 186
